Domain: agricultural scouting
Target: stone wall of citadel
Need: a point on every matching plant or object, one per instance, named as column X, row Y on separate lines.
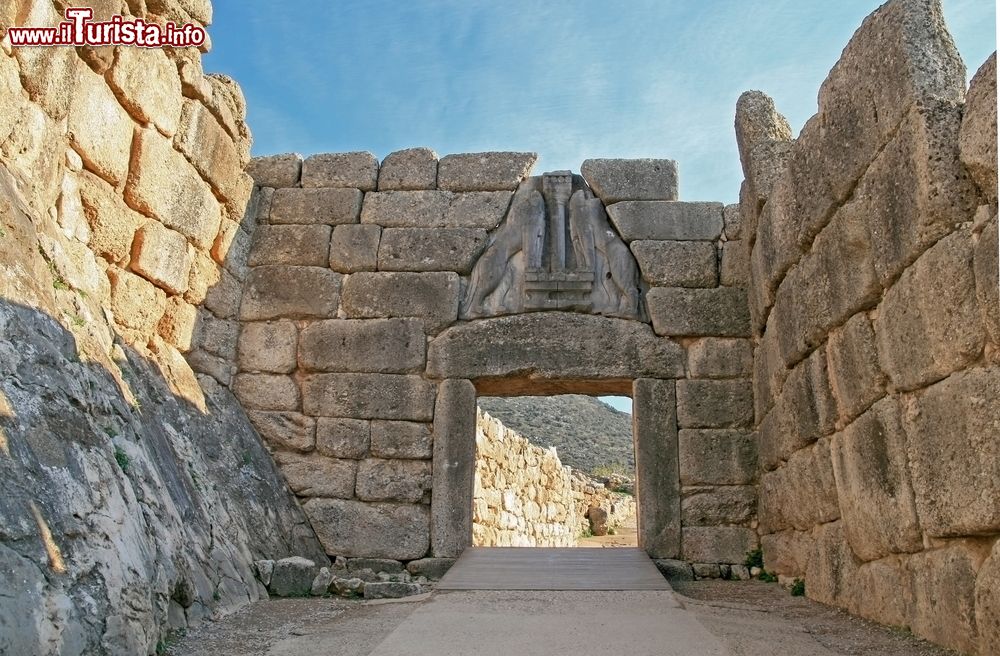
column 874, row 287
column 525, row 497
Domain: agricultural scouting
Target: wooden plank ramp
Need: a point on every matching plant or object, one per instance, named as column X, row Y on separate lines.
column 550, row 568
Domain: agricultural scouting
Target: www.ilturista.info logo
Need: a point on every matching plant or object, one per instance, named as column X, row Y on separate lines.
column 79, row 30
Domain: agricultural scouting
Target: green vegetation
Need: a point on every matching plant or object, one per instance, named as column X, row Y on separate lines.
column 755, row 558
column 798, row 588
column 767, row 577
column 122, row 459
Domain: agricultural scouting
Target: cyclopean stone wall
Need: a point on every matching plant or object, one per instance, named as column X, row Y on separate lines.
column 382, row 297
column 135, row 494
column 874, row 310
column 525, row 497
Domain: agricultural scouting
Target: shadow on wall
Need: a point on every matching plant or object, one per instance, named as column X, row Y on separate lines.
column 136, row 496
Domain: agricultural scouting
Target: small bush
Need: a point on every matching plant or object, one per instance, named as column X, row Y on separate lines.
column 798, row 588
column 122, row 459
column 767, row 577
column 755, row 558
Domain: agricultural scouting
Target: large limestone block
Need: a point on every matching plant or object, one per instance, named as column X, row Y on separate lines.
column 47, row 74
column 355, row 248
column 299, row 245
column 276, row 171
column 162, row 184
column 290, row 431
column 400, row 531
column 161, row 256
column 677, row 263
column 436, row 209
column 267, row 392
column 343, row 438
column 99, row 129
column 714, row 506
column 873, row 484
column 667, row 220
column 988, row 603
column 718, row 544
column 210, row 149
column 654, row 434
column 177, row 323
column 553, row 346
column 492, row 171
column 147, row 84
column 135, row 302
column 430, row 249
column 832, row 566
column 401, row 439
column 776, row 246
column 769, row 372
column 713, row 357
column 757, row 122
column 368, row 396
column 363, row 345
column 358, row 170
column 929, row 324
column 717, row 457
column 431, row 297
column 409, row 170
column 800, row 494
column 734, row 264
column 268, row 347
column 978, row 136
column 223, row 298
column 318, row 476
column 393, row 480
column 855, row 376
column 954, row 453
column 944, row 598
column 720, row 312
column 454, row 468
column 882, row 591
column 787, row 552
column 326, row 206
column 714, row 403
column 985, row 262
column 615, row 180
column 294, row 292
column 205, row 277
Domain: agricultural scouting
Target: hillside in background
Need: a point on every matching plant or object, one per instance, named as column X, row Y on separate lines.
column 586, row 432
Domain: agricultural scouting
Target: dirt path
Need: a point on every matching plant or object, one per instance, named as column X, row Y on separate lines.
column 625, row 536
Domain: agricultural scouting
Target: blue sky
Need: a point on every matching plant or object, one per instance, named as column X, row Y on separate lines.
column 569, row 80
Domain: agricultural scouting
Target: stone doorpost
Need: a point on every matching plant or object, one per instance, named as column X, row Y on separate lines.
column 654, row 431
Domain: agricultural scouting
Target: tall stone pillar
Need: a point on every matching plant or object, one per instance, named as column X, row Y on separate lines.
column 654, row 429
column 454, row 468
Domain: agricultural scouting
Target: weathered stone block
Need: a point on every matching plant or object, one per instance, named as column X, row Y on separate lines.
column 801, row 494
column 721, row 312
column 757, row 121
column 355, row 248
column 369, row 345
column 292, row 577
column 734, row 265
column 217, row 336
column 954, row 454
column 718, row 544
column 988, row 279
column 882, row 591
column 408, row 170
column 978, row 135
column 787, row 552
column 944, row 601
column 161, row 256
column 492, row 171
column 553, row 346
column 713, row 357
column 268, row 347
column 146, row 82
column 430, row 249
column 436, row 209
column 301, row 245
column 769, row 372
column 393, row 480
column 717, row 457
column 400, row 531
column 401, row 439
column 929, row 324
column 677, row 263
column 732, row 219
column 873, row 484
column 210, row 365
column 988, row 603
column 307, row 206
column 615, row 180
column 205, row 277
column 454, row 468
column 832, row 566
column 290, row 431
column 99, row 129
column 223, row 297
column 210, row 149
column 343, row 438
column 161, row 183
column 318, row 476
column 667, row 220
column 714, row 506
column 177, row 323
column 267, row 391
column 654, row 431
column 47, row 74
column 432, row 297
column 273, row 292
column 112, row 223
column 358, row 170
column 276, row 171
column 135, row 302
column 855, row 376
column 368, row 396
column 714, row 403
column 431, row 568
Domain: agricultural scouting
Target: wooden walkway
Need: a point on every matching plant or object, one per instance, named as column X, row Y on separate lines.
column 525, row 568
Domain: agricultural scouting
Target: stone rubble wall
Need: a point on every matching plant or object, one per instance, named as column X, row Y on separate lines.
column 874, row 296
column 136, row 495
column 356, row 370
column 525, row 497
